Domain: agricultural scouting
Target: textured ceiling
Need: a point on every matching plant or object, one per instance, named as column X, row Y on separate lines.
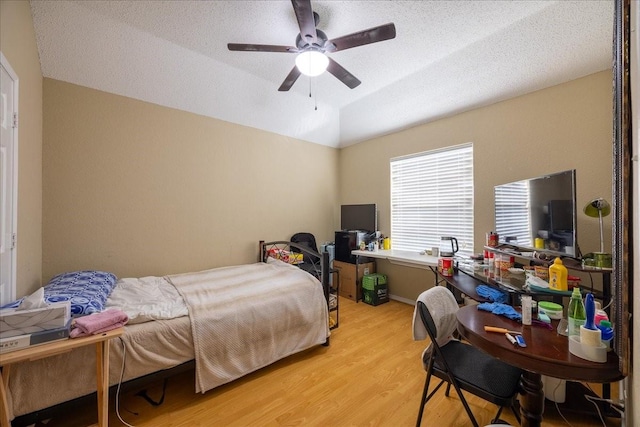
column 447, row 57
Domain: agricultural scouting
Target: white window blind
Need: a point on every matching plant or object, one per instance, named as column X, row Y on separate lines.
column 513, row 213
column 432, row 196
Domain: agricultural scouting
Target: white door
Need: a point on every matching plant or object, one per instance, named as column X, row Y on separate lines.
column 8, row 179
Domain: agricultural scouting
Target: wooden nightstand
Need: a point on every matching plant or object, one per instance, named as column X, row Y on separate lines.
column 45, row 350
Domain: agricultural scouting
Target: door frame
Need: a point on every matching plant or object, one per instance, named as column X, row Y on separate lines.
column 14, row 190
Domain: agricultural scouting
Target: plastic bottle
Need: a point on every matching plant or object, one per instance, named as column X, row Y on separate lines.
column 600, row 314
column 576, row 313
column 526, row 309
column 558, row 275
column 606, row 333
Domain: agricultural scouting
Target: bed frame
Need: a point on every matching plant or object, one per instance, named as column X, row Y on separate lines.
column 319, row 268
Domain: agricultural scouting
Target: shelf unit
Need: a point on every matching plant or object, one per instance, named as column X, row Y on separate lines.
column 334, row 299
column 570, row 263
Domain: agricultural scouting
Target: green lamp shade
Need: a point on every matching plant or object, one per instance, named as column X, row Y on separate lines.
column 594, row 207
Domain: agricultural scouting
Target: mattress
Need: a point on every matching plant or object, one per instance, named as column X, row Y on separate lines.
column 160, row 337
column 149, row 346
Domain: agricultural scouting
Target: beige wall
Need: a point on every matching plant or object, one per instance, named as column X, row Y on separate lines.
column 138, row 189
column 18, row 44
column 564, row 127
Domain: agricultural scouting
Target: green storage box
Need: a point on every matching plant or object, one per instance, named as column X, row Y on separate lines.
column 374, row 289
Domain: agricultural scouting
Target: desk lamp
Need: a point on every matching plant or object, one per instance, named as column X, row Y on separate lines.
column 598, row 208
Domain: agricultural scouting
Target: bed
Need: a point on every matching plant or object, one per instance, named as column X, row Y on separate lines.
column 224, row 322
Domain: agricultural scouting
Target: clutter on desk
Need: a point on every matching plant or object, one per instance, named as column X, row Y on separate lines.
column 576, row 313
column 448, row 246
column 492, row 294
column 501, row 310
column 587, row 344
column 492, row 239
column 445, row 266
column 520, row 341
column 500, row 330
column 551, row 309
column 386, row 243
column 600, row 314
column 558, row 275
column 526, row 309
column 606, row 331
column 544, row 318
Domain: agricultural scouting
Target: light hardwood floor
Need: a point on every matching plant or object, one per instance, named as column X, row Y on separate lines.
column 370, row 375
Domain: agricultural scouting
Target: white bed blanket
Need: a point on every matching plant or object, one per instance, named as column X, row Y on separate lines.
column 246, row 317
column 147, row 298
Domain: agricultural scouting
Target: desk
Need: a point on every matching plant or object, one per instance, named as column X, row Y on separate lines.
column 56, row 347
column 547, row 353
column 403, row 258
column 406, row 258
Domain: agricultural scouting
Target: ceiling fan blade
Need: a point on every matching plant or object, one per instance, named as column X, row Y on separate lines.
column 261, row 48
column 290, row 79
column 306, row 20
column 343, row 75
column 372, row 35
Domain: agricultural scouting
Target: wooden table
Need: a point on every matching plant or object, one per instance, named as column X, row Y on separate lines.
column 547, row 353
column 56, row 347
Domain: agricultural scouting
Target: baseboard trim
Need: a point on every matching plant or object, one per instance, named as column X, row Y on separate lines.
column 401, row 299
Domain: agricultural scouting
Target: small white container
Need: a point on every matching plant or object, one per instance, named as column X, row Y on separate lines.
column 551, row 309
column 526, row 309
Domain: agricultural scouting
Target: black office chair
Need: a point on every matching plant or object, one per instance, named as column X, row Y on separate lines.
column 310, row 264
column 462, row 365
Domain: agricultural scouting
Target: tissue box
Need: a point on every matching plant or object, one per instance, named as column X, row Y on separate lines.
column 14, row 322
column 19, row 342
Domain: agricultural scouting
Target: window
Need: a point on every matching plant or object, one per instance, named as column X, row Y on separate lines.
column 432, row 196
column 513, row 212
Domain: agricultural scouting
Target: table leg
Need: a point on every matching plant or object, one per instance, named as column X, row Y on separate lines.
column 4, row 389
column 102, row 382
column 532, row 402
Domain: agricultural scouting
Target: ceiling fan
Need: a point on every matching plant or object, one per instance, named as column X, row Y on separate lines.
column 312, row 44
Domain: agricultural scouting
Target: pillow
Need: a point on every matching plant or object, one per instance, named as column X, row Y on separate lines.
column 87, row 290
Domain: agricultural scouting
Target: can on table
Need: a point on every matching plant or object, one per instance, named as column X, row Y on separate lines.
column 445, row 266
column 492, row 239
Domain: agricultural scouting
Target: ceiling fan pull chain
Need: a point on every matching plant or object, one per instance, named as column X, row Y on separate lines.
column 315, row 99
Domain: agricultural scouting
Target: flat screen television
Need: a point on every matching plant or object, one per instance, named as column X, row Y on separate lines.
column 542, row 208
column 359, row 217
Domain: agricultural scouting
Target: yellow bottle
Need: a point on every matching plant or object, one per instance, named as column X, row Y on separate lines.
column 558, row 276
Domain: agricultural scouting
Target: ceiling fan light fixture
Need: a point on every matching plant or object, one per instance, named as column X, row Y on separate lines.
column 312, row 63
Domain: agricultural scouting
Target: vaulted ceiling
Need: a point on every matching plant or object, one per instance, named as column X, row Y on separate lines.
column 447, row 57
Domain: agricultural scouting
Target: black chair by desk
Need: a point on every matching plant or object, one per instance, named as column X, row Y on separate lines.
column 459, row 364
column 309, row 265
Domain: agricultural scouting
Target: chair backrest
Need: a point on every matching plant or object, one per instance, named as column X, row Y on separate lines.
column 438, row 314
column 427, row 321
column 305, row 239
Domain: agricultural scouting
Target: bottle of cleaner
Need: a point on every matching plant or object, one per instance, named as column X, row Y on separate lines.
column 600, row 314
column 558, row 276
column 576, row 313
column 606, row 333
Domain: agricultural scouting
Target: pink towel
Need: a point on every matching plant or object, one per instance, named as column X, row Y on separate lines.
column 98, row 323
